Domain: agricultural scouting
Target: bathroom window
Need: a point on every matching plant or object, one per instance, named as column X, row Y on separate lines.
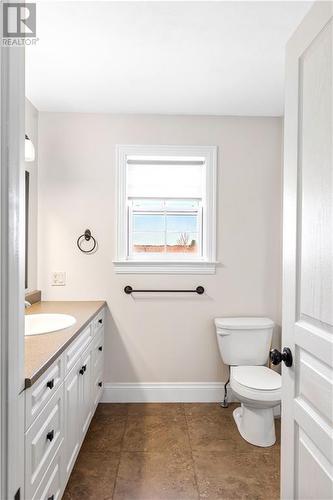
column 166, row 209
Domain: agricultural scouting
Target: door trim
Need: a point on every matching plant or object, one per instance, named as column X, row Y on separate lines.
column 12, row 271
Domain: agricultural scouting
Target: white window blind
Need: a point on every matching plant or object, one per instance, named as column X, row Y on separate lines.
column 165, row 179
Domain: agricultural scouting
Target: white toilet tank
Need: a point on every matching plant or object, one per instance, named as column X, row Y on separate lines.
column 244, row 341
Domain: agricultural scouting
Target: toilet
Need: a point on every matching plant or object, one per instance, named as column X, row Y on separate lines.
column 244, row 345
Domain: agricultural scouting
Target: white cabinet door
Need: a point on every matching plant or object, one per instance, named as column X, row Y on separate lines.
column 307, row 327
column 72, row 398
column 86, row 404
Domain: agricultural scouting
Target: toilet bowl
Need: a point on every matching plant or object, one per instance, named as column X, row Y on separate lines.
column 259, row 390
column 244, row 345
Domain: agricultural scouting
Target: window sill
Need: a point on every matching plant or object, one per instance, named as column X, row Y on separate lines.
column 142, row 267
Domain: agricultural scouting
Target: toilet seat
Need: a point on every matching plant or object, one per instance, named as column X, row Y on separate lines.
column 256, row 383
column 257, row 377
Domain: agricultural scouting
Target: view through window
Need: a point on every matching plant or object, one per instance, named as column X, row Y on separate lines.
column 166, row 226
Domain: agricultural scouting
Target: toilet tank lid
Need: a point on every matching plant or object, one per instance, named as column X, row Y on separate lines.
column 247, row 323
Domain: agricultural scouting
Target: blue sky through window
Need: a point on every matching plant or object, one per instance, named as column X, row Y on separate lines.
column 174, row 223
column 151, row 229
column 165, row 223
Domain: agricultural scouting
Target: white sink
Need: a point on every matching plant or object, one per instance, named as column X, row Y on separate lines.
column 37, row 324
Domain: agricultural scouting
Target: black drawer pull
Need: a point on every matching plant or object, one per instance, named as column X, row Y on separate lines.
column 50, row 435
column 100, row 348
column 100, row 321
column 50, row 384
column 83, row 369
column 100, row 384
column 51, row 497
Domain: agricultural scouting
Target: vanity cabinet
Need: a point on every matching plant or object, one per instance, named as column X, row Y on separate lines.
column 59, row 408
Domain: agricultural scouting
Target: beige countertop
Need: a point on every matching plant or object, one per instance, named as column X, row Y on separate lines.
column 42, row 350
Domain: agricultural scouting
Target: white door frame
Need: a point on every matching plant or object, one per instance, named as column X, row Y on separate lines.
column 12, row 271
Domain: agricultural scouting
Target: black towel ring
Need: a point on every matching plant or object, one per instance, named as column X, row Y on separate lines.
column 87, row 237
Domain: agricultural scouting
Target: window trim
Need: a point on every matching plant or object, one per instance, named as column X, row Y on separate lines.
column 204, row 265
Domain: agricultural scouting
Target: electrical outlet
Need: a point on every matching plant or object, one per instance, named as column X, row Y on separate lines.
column 58, row 278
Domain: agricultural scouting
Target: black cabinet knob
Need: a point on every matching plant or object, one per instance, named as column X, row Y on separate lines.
column 100, row 384
column 286, row 356
column 51, row 497
column 50, row 435
column 50, row 384
column 100, row 348
column 100, row 321
column 83, row 369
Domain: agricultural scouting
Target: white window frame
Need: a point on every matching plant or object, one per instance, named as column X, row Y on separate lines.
column 204, row 265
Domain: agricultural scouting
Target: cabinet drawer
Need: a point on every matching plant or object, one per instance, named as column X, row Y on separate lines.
column 51, row 485
column 98, row 322
column 42, row 441
column 97, row 388
column 37, row 396
column 76, row 349
column 98, row 352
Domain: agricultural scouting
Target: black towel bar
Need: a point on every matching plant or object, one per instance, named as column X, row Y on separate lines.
column 199, row 290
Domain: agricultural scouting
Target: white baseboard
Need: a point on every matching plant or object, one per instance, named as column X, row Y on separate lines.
column 177, row 392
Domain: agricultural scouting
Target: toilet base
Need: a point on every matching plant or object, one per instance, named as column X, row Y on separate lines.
column 255, row 425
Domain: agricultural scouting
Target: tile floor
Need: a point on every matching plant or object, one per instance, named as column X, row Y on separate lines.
column 171, row 452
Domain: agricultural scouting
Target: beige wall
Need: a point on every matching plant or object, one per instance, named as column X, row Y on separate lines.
column 159, row 339
column 31, row 129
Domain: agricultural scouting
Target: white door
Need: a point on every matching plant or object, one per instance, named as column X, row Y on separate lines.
column 307, row 397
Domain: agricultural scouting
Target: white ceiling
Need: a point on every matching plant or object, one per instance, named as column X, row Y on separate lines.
column 216, row 58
